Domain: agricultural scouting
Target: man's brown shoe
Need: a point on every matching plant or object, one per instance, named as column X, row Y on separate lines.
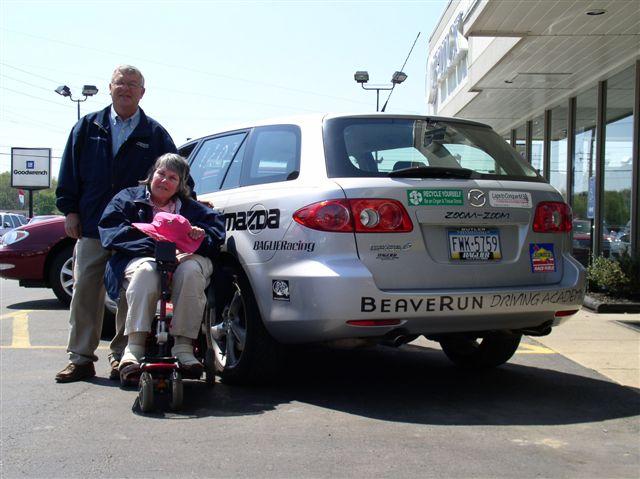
column 76, row 372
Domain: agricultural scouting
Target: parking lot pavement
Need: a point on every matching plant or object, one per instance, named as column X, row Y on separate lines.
column 606, row 343
column 379, row 412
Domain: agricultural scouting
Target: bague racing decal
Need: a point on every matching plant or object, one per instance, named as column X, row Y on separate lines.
column 435, row 197
column 280, row 289
column 284, row 245
column 252, row 220
column 542, row 258
column 462, row 303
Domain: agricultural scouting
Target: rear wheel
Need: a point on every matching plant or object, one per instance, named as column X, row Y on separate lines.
column 177, row 391
column 61, row 275
column 61, row 282
column 145, row 395
column 488, row 351
column 243, row 350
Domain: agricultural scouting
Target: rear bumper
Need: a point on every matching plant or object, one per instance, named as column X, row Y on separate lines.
column 323, row 296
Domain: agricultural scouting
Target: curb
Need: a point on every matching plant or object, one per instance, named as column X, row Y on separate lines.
column 615, row 308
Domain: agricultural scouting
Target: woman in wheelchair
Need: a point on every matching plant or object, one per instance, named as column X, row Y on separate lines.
column 161, row 208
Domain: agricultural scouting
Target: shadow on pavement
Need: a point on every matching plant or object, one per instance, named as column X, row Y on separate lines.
column 39, row 305
column 418, row 385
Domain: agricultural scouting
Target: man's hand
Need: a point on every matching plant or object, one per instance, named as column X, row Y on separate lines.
column 207, row 203
column 72, row 226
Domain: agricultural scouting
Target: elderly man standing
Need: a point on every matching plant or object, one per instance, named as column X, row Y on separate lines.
column 107, row 151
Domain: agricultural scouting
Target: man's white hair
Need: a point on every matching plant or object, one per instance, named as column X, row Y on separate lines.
column 128, row 70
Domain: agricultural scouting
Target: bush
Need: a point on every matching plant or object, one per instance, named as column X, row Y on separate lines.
column 620, row 278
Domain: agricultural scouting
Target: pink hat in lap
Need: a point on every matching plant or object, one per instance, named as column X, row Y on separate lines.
column 170, row 227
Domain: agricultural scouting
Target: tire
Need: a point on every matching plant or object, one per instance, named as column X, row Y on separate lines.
column 145, row 395
column 177, row 391
column 61, row 282
column 61, row 275
column 488, row 351
column 209, row 368
column 243, row 350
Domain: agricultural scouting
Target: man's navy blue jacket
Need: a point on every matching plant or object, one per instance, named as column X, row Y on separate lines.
column 132, row 206
column 89, row 174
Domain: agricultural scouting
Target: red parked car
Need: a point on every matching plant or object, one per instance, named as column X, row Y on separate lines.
column 39, row 255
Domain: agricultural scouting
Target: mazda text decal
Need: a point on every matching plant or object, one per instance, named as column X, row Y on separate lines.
column 252, row 220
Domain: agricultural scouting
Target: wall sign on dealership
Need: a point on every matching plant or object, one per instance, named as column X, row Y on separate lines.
column 31, row 168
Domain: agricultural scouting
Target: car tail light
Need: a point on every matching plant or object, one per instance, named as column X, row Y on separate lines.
column 552, row 217
column 362, row 215
column 568, row 312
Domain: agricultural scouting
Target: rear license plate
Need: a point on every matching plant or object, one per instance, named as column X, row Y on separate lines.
column 474, row 244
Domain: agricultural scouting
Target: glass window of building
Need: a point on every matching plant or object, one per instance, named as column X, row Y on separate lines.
column 618, row 154
column 537, row 144
column 558, row 150
column 584, row 162
column 521, row 141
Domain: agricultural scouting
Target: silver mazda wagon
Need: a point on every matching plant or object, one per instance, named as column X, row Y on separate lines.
column 360, row 229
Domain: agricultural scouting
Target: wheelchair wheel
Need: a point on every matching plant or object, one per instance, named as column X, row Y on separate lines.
column 177, row 391
column 145, row 395
column 210, row 368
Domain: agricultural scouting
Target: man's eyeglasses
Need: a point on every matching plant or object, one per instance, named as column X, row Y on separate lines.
column 122, row 84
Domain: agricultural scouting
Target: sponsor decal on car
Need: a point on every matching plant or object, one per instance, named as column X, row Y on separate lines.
column 369, row 304
column 284, row 245
column 542, row 258
column 476, row 215
column 435, row 197
column 510, row 199
column 254, row 220
column 280, row 289
column 391, row 247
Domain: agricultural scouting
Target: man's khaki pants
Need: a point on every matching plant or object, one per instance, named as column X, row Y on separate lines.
column 87, row 304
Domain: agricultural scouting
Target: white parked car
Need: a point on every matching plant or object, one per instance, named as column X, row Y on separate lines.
column 370, row 228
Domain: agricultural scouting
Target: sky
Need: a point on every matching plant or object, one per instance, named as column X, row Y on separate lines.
column 207, row 64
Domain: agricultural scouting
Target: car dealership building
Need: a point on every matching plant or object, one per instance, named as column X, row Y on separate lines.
column 560, row 80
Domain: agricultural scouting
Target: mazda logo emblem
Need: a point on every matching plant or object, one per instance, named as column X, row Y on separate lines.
column 476, row 198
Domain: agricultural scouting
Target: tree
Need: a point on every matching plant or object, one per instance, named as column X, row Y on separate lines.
column 44, row 201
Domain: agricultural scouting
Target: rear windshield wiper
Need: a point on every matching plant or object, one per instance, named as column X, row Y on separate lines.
column 434, row 172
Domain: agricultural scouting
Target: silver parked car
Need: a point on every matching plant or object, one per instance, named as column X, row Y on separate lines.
column 9, row 221
column 379, row 228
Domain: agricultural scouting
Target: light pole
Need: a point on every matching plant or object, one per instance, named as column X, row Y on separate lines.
column 362, row 77
column 87, row 91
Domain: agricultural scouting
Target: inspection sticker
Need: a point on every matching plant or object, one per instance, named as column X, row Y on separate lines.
column 542, row 258
column 435, row 197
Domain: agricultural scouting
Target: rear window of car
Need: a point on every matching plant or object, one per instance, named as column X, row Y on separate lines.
column 374, row 147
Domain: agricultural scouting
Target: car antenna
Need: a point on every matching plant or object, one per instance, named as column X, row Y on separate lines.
column 401, row 69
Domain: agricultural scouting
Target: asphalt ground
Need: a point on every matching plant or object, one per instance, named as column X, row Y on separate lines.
column 378, row 412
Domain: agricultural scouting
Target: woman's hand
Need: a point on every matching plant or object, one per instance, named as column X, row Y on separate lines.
column 196, row 233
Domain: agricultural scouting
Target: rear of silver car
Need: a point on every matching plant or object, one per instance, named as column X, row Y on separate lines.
column 454, row 237
column 394, row 227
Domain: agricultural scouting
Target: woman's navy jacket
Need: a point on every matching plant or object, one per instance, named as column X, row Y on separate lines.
column 132, row 206
column 89, row 173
